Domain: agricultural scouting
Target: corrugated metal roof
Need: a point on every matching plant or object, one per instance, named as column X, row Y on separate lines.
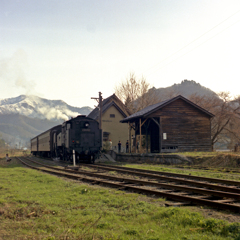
column 143, row 111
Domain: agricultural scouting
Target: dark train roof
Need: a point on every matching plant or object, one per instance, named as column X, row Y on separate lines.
column 50, row 129
column 152, row 108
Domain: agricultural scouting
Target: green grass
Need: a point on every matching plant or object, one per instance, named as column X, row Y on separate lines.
column 201, row 154
column 195, row 154
column 34, row 205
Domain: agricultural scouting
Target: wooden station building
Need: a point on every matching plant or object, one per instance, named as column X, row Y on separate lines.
column 173, row 125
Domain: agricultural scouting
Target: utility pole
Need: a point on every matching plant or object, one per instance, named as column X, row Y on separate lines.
column 99, row 100
column 100, row 110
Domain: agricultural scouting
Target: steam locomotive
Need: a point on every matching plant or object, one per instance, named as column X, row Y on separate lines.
column 81, row 134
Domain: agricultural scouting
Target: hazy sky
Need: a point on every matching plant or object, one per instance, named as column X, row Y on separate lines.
column 72, row 49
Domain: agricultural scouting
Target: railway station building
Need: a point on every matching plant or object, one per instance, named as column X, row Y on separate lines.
column 174, row 125
column 113, row 111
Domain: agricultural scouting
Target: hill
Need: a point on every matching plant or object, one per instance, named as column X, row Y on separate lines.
column 17, row 129
column 185, row 88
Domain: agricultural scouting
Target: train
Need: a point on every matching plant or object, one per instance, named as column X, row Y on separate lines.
column 80, row 136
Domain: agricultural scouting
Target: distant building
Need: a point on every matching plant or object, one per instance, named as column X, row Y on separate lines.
column 173, row 125
column 113, row 111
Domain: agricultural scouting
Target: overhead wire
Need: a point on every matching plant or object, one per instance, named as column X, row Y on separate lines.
column 197, row 46
column 195, row 41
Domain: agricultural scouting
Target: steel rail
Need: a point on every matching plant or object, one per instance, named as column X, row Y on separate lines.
column 219, row 169
column 172, row 196
column 161, row 185
column 216, row 180
column 172, row 179
column 198, row 184
column 142, row 182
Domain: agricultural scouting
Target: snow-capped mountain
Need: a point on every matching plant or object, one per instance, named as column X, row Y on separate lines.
column 36, row 107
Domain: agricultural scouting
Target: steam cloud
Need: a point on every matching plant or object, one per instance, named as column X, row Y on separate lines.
column 54, row 112
column 57, row 113
column 13, row 70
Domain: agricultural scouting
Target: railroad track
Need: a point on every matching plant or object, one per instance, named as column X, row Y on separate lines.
column 234, row 186
column 217, row 169
column 227, row 198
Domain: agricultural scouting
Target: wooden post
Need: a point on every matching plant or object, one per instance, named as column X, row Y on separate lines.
column 130, row 139
column 100, row 110
column 99, row 100
column 135, row 138
column 147, row 126
column 160, row 135
column 146, row 138
column 140, row 130
column 141, row 124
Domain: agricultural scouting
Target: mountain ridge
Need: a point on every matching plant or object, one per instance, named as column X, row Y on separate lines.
column 186, row 88
column 26, row 116
column 36, row 107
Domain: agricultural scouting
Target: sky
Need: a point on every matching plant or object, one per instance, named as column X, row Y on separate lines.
column 73, row 49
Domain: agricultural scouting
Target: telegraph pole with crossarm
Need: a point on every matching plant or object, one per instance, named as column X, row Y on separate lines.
column 99, row 100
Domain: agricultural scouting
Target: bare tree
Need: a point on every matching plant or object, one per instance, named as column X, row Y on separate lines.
column 135, row 93
column 227, row 115
column 233, row 128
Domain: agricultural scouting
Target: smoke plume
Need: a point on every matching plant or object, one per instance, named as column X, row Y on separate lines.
column 13, row 71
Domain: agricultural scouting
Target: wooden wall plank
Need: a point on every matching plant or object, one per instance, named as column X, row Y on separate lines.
column 187, row 127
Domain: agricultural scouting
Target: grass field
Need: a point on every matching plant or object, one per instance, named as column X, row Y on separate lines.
column 34, row 205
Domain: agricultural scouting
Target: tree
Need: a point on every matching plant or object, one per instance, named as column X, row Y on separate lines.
column 227, row 115
column 135, row 93
column 233, row 128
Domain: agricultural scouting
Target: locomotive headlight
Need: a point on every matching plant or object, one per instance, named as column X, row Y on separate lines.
column 86, row 124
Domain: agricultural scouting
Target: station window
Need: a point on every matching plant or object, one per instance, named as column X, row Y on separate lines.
column 112, row 115
column 105, row 136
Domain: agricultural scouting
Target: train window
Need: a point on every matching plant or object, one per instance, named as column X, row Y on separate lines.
column 112, row 115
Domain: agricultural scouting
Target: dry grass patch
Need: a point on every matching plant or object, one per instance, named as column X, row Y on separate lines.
column 230, row 160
